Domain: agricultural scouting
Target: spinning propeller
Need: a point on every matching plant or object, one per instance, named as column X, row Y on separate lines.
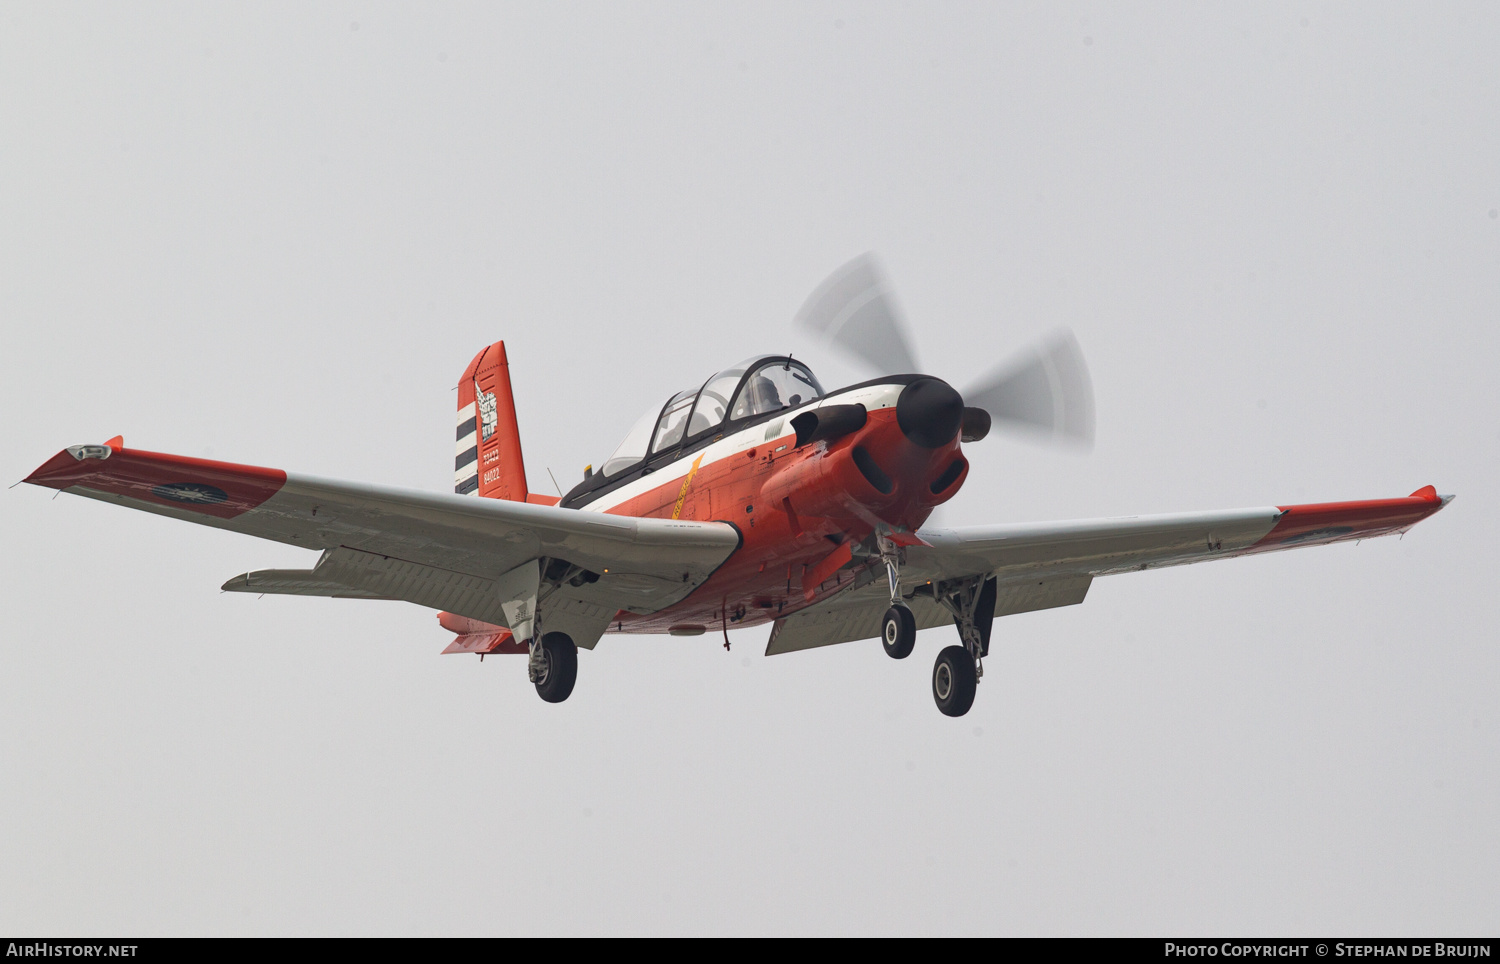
column 1043, row 389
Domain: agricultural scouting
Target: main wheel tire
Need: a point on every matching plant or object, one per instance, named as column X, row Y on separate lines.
column 898, row 632
column 560, row 667
column 954, row 681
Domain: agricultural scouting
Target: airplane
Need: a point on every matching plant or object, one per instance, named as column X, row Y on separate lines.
column 753, row 497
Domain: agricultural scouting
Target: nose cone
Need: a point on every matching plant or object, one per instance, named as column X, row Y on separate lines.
column 929, row 412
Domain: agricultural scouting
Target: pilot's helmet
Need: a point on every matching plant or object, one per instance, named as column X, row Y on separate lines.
column 764, row 394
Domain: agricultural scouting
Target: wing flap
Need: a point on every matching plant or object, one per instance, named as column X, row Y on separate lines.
column 345, row 572
column 1037, row 594
column 856, row 613
column 848, row 617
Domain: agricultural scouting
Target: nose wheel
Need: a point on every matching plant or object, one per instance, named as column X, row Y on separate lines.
column 898, row 630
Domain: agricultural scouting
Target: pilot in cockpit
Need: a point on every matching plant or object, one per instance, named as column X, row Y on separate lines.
column 763, row 396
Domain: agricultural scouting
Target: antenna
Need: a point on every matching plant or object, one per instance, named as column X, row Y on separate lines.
column 554, row 483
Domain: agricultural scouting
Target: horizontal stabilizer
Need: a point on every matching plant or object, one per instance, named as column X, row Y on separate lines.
column 486, row 644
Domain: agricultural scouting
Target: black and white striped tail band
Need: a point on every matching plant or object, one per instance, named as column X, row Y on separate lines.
column 466, row 458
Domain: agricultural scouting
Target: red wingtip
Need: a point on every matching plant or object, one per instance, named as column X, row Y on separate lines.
column 54, row 471
column 1427, row 492
column 117, row 443
column 220, row 489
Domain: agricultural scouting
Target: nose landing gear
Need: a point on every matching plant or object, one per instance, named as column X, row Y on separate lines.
column 898, row 630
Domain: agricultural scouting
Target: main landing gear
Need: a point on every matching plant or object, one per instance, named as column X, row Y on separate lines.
column 956, row 674
column 553, row 667
column 955, row 678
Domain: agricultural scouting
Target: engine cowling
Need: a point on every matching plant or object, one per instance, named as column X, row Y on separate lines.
column 878, row 469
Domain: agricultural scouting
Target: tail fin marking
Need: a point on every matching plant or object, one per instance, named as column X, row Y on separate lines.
column 487, row 457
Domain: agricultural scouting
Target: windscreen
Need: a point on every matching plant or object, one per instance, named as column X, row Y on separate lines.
column 774, row 386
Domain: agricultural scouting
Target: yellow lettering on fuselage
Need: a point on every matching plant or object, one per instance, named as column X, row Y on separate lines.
column 682, row 496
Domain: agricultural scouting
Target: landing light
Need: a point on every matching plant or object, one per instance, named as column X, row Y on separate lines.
column 81, row 452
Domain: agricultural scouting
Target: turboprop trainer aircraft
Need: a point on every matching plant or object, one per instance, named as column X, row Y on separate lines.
column 753, row 497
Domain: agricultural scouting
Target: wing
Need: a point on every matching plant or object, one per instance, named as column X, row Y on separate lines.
column 435, row 549
column 1101, row 547
column 1049, row 564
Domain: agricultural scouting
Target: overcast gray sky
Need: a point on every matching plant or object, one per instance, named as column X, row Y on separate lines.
column 276, row 233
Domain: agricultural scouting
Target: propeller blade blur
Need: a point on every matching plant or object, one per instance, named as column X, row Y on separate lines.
column 1045, row 389
column 855, row 309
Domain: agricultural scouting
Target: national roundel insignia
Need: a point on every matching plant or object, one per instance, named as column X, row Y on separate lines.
column 195, row 493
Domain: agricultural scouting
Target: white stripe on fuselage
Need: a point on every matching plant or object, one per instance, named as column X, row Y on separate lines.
column 467, row 412
column 772, row 433
column 466, row 443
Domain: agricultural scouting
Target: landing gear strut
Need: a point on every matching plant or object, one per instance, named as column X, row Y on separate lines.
column 553, row 666
column 898, row 630
column 956, row 674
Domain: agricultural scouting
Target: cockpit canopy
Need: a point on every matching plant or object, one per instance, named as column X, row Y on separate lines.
column 755, row 387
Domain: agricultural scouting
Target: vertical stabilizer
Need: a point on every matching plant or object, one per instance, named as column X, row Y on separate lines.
column 488, row 460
